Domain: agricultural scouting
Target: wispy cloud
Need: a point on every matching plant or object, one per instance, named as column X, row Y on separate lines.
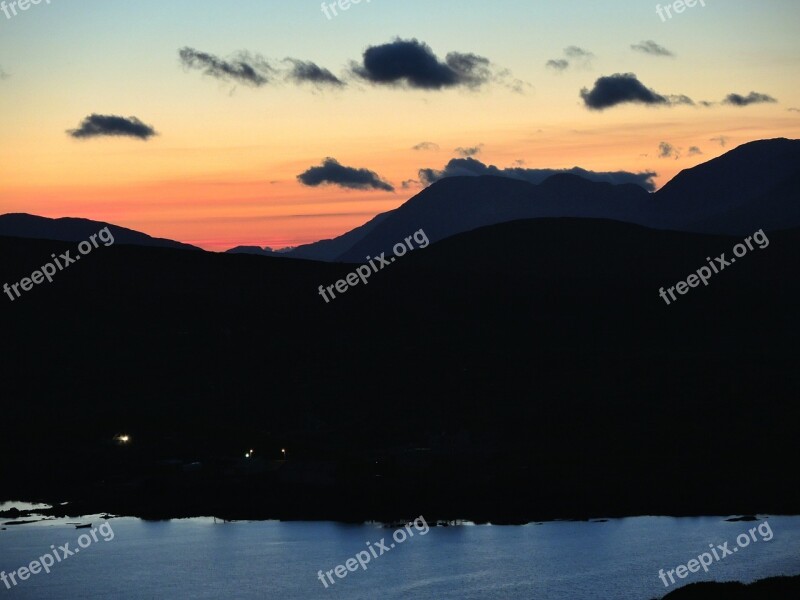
column 652, row 48
column 558, row 64
column 470, row 151
column 302, row 71
column 426, row 146
column 576, row 55
column 243, row 68
column 253, row 70
column 667, row 150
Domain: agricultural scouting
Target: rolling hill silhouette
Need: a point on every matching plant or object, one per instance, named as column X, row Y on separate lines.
column 519, row 371
column 76, row 230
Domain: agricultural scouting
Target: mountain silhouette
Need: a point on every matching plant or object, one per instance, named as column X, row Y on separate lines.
column 751, row 187
column 324, row 250
column 69, row 229
column 756, row 184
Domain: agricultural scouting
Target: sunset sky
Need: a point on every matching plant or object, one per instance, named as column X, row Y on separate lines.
column 223, row 168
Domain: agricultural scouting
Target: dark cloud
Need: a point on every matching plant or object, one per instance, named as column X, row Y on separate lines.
column 426, row 146
column 797, row 110
column 413, row 64
column 622, row 88
column 667, row 150
column 559, row 64
column 471, row 151
column 3, row 74
column 695, row 151
column 650, row 47
column 243, row 68
column 112, row 126
column 331, row 172
column 472, row 167
column 721, row 140
column 751, row 98
column 308, row 72
column 400, row 63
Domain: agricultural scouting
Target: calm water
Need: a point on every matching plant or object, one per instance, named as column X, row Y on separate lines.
column 196, row 558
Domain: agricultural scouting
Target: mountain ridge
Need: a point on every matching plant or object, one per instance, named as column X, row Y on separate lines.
column 753, row 186
column 73, row 229
column 749, row 187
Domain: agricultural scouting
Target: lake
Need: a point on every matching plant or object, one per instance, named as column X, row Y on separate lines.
column 198, row 558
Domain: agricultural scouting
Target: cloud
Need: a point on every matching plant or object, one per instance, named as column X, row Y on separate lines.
column 472, row 151
column 558, row 64
column 680, row 99
column 576, row 52
column 650, row 47
column 3, row 74
column 667, row 150
column 413, row 64
column 622, row 88
column 695, row 151
column 426, row 146
column 721, row 140
column 243, row 68
column 112, row 126
column 751, row 98
column 797, row 110
column 331, row 172
column 459, row 167
column 308, row 72
column 255, row 71
column 401, row 63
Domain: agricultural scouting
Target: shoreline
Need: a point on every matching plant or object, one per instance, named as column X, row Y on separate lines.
column 76, row 510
